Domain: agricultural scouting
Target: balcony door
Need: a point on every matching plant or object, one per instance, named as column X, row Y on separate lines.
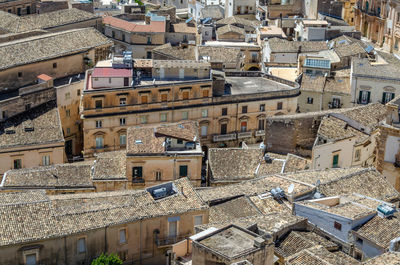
column 224, row 128
column 173, row 228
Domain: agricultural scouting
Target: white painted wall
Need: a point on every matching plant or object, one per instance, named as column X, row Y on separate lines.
column 392, row 148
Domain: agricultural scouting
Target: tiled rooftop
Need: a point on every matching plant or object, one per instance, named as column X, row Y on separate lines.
column 109, row 165
column 280, row 45
column 224, row 212
column 56, row 216
column 151, row 138
column 46, row 124
column 319, row 255
column 49, row 46
column 230, row 28
column 15, row 24
column 154, row 26
column 381, row 231
column 183, row 28
column 334, row 129
column 59, row 176
column 176, row 52
column 296, row 241
column 239, row 21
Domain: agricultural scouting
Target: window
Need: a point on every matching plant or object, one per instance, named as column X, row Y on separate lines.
column 99, row 124
column 359, row 241
column 262, row 107
column 205, row 93
column 261, row 125
column 148, row 40
column 198, row 220
column 54, row 65
column 99, row 104
column 224, row 128
column 204, row 113
column 163, row 117
column 364, row 97
column 335, row 161
column 27, row 106
column 279, row 105
column 243, row 126
column 183, row 171
column 137, row 173
column 158, row 175
column 310, row 100
column 185, row 115
column 337, row 225
column 204, row 130
column 123, row 37
column 126, row 81
column 109, row 80
column 99, row 142
column 185, row 95
column 122, row 236
column 78, row 92
column 31, row 259
column 113, row 34
column 164, row 97
column 17, row 163
column 179, row 141
column 386, row 97
column 67, row 95
column 244, row 109
column 148, row 55
column 224, row 111
column 122, row 101
column 122, row 121
column 357, row 155
column 68, row 131
column 19, row 74
column 173, row 228
column 143, row 119
column 144, row 99
column 46, row 160
column 68, row 113
column 336, row 102
column 81, row 245
column 122, row 139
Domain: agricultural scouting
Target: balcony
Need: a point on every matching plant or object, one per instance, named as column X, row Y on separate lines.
column 242, row 135
column 170, row 240
column 260, row 133
column 224, row 137
column 138, row 181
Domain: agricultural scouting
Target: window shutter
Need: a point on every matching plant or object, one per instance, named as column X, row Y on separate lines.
column 360, row 96
column 392, row 97
column 383, row 97
column 369, row 96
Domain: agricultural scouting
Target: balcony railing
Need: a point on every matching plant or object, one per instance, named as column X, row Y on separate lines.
column 260, row 133
column 138, row 181
column 170, row 240
column 224, row 137
column 245, row 135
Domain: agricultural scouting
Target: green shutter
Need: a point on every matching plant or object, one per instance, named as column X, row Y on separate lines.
column 369, row 96
column 383, row 97
column 392, row 96
column 183, row 171
column 335, row 160
column 360, row 97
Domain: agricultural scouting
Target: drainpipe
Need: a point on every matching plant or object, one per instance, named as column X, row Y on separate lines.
column 65, row 250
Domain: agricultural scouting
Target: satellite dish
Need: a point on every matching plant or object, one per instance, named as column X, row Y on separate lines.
column 318, row 183
column 291, row 188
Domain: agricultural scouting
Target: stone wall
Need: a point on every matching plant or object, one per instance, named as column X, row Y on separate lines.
column 292, row 133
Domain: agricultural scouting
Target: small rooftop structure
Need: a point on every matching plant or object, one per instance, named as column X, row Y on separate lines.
column 320, row 255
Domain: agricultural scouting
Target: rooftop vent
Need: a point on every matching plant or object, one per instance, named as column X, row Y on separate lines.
column 268, row 159
column 278, row 193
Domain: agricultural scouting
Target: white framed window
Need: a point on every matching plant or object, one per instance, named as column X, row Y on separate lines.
column 122, row 236
column 163, row 117
column 122, row 101
column 198, row 220
column 99, row 142
column 357, row 155
column 81, row 245
column 143, row 119
column 204, row 113
column 204, row 130
column 185, row 115
column 46, row 160
column 99, row 124
column 68, row 113
column 310, row 100
column 122, row 139
column 67, row 95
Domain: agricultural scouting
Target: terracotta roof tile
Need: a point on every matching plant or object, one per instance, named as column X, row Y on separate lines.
column 154, row 26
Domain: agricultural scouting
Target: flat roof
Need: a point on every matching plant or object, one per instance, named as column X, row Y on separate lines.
column 230, row 241
column 250, row 85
